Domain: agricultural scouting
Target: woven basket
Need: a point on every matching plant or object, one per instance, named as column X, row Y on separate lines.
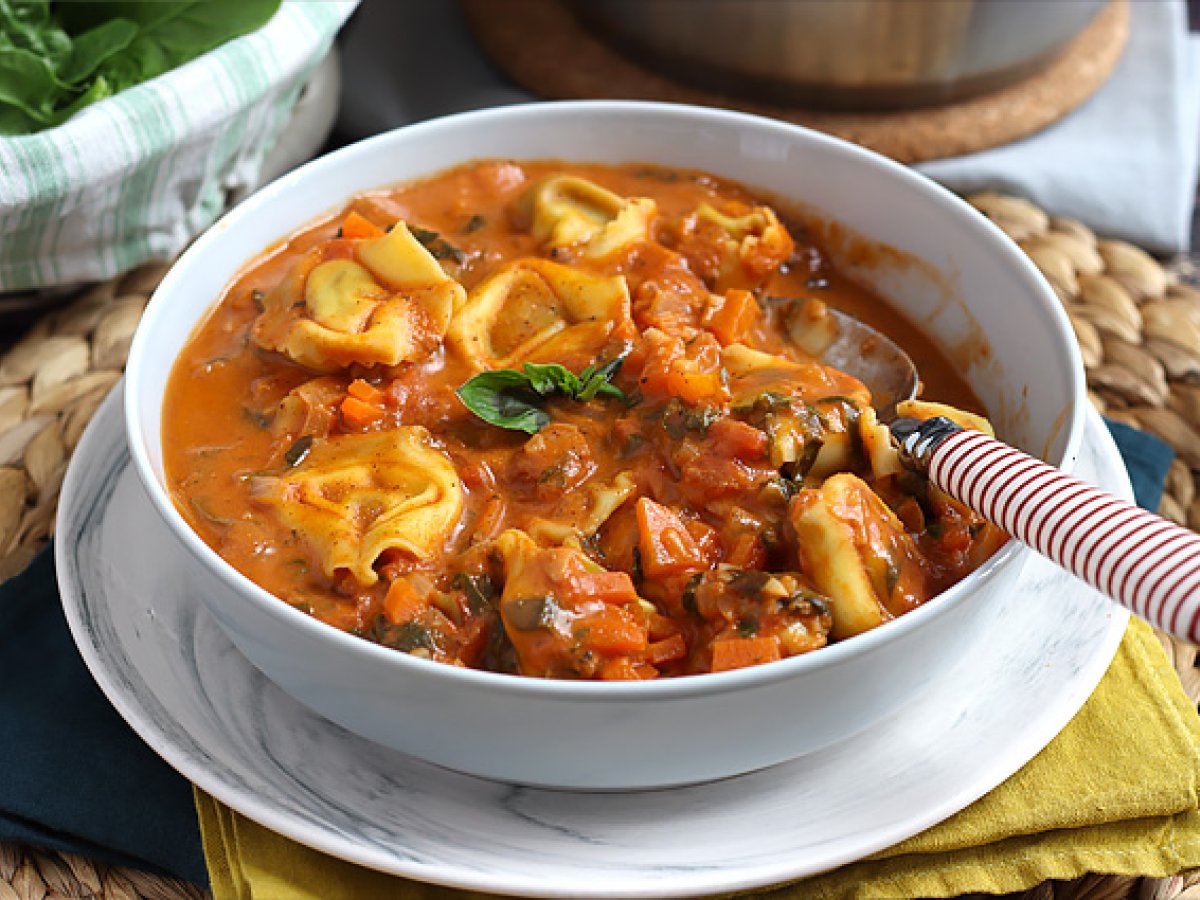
column 1138, row 326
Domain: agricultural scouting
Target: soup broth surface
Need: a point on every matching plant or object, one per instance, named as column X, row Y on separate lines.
column 555, row 420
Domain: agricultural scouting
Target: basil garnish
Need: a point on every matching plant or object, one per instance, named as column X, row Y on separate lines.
column 508, row 398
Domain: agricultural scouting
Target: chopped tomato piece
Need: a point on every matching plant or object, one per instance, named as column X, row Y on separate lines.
column 734, row 320
column 731, row 437
column 691, row 372
column 748, row 552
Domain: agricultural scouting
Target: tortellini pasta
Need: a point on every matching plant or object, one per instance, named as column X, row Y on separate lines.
column 535, row 310
column 752, row 372
column 549, row 620
column 925, row 409
column 749, row 246
column 390, row 305
column 581, row 513
column 355, row 496
column 565, row 210
column 855, row 550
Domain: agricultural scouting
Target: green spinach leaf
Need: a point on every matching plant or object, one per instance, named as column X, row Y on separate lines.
column 56, row 58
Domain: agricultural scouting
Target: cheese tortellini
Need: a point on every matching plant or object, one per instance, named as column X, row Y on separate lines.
column 355, row 496
column 752, row 372
column 749, row 246
column 581, row 513
column 565, row 210
column 857, row 551
column 390, row 305
column 535, row 310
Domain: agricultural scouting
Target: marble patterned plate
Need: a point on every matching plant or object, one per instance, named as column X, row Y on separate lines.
column 170, row 671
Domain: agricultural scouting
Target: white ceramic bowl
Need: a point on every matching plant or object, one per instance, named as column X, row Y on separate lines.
column 969, row 286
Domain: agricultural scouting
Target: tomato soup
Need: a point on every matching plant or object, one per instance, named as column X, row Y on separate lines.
column 554, row 420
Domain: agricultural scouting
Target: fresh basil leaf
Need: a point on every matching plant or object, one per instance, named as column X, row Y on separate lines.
column 549, row 378
column 597, row 381
column 503, row 398
column 513, row 399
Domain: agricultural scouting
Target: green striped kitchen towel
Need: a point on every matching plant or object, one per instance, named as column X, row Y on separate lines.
column 136, row 176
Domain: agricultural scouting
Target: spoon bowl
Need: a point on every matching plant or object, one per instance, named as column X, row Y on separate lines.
column 846, row 343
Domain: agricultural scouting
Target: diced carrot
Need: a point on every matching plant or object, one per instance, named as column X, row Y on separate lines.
column 734, row 319
column 611, row 587
column 738, row 439
column 366, row 392
column 691, row 385
column 666, row 545
column 402, row 602
column 741, row 652
column 667, row 650
column 619, row 668
column 356, row 226
column 611, row 630
column 357, row 414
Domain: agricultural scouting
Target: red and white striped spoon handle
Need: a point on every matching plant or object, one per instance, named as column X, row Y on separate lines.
column 1142, row 561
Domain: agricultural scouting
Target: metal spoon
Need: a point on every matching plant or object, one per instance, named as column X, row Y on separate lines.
column 1142, row 561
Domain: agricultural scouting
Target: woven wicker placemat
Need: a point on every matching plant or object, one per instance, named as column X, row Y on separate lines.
column 597, row 70
column 1138, row 325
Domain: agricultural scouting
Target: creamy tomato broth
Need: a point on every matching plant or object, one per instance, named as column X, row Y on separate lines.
column 550, row 419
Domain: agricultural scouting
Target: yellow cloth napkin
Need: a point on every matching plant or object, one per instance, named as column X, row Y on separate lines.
column 1117, row 792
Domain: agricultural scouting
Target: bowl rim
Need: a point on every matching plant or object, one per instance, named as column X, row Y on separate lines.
column 674, row 688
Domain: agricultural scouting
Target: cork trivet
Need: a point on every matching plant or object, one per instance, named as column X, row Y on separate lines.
column 1138, row 325
column 544, row 48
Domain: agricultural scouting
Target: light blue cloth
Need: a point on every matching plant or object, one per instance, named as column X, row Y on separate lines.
column 1125, row 162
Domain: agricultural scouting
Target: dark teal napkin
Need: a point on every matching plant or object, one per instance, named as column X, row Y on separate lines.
column 76, row 778
column 1147, row 459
